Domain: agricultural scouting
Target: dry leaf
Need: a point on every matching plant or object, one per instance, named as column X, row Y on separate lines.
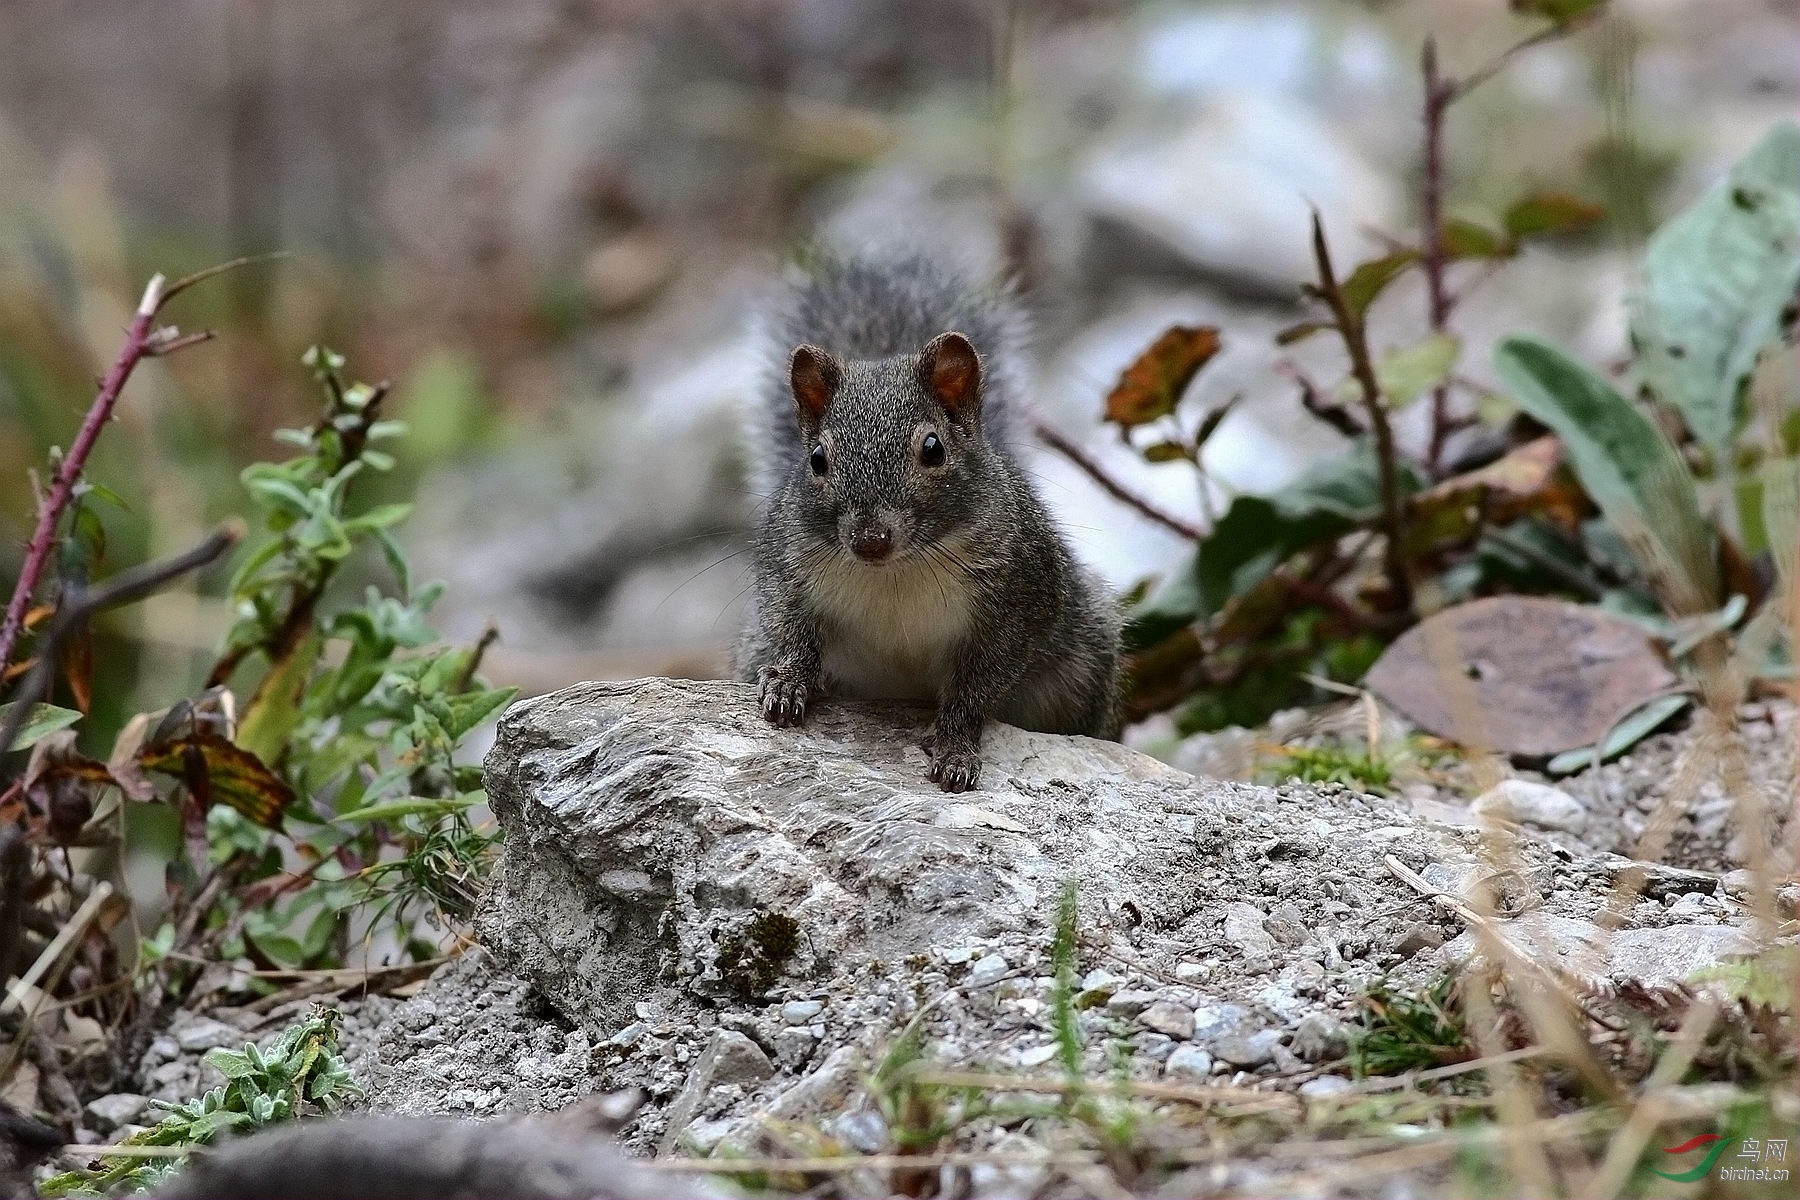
column 1152, row 386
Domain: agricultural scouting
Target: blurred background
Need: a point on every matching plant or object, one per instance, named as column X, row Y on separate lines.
column 549, row 223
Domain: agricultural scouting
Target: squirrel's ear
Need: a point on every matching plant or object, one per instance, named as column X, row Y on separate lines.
column 952, row 372
column 814, row 375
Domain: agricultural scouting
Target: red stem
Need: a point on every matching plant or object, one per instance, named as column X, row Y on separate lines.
column 1439, row 94
column 138, row 343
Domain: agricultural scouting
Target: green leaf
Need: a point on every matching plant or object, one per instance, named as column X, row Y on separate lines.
column 1716, row 280
column 1371, row 278
column 274, row 709
column 1259, row 533
column 379, row 517
column 41, row 721
column 1172, row 604
column 471, row 710
column 1406, row 374
column 1301, row 331
column 1560, row 11
column 1466, row 239
column 1626, row 464
column 1626, row 734
column 1544, row 213
column 392, row 810
column 232, row 1064
column 397, row 562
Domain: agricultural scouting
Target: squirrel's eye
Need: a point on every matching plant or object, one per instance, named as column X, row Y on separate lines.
column 931, row 451
column 820, row 461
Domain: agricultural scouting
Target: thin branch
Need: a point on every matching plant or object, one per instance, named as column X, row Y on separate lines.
column 142, row 340
column 1440, row 93
column 1113, row 487
column 1362, row 366
column 124, row 588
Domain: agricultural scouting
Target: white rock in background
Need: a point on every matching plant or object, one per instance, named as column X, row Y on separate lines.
column 1278, row 49
column 1230, row 187
column 1531, row 803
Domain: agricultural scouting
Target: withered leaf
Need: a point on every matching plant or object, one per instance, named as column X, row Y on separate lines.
column 227, row 773
column 1522, row 675
column 1151, row 387
column 1527, row 481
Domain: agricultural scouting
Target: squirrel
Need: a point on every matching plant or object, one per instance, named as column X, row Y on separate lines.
column 904, row 554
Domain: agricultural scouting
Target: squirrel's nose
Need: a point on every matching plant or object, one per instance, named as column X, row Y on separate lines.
column 872, row 544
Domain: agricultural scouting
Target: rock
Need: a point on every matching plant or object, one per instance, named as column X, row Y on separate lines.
column 1189, row 1062
column 1658, row 957
column 729, row 1057
column 863, row 1129
column 1326, row 1085
column 1230, row 184
column 1169, row 1018
column 1097, row 987
column 799, row 1012
column 1129, row 1003
column 1190, row 972
column 769, row 851
column 991, row 968
column 1244, row 928
column 1417, row 937
column 107, row 1113
column 1037, row 1056
column 207, row 1034
column 1529, row 803
column 1319, row 1038
column 1247, row 1050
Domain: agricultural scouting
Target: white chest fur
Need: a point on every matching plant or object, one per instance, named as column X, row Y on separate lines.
column 889, row 633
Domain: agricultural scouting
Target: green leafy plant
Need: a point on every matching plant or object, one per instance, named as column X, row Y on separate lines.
column 1408, row 1030
column 1312, row 581
column 300, row 1075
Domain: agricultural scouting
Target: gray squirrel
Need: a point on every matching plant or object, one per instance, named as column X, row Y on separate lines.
column 904, row 554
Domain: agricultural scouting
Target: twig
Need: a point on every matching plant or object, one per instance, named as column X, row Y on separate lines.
column 1440, row 93
column 138, row 343
column 143, row 339
column 90, row 908
column 1113, row 487
column 124, row 588
column 1362, row 366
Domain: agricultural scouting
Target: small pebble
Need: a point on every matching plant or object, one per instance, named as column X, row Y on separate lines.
column 1190, row 1061
column 799, row 1012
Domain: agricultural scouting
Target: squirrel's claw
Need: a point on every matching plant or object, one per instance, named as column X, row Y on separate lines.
column 783, row 700
column 955, row 769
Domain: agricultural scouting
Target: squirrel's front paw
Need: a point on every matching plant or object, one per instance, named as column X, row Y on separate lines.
column 955, row 762
column 783, row 697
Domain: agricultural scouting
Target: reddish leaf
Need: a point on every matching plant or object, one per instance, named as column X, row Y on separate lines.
column 215, row 769
column 76, row 658
column 1549, row 213
column 35, row 616
column 1371, row 278
column 1152, row 386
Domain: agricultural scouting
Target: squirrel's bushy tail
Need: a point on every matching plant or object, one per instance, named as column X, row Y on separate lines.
column 876, row 304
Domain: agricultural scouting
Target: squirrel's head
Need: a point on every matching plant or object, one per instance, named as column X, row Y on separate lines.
column 895, row 447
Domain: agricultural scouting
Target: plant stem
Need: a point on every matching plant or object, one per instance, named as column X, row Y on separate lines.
column 1440, row 93
column 1113, row 487
column 139, row 342
column 1362, row 366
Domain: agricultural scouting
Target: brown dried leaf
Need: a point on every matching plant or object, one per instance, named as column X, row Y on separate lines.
column 1528, row 480
column 215, row 769
column 1152, row 386
column 123, row 762
column 1519, row 674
